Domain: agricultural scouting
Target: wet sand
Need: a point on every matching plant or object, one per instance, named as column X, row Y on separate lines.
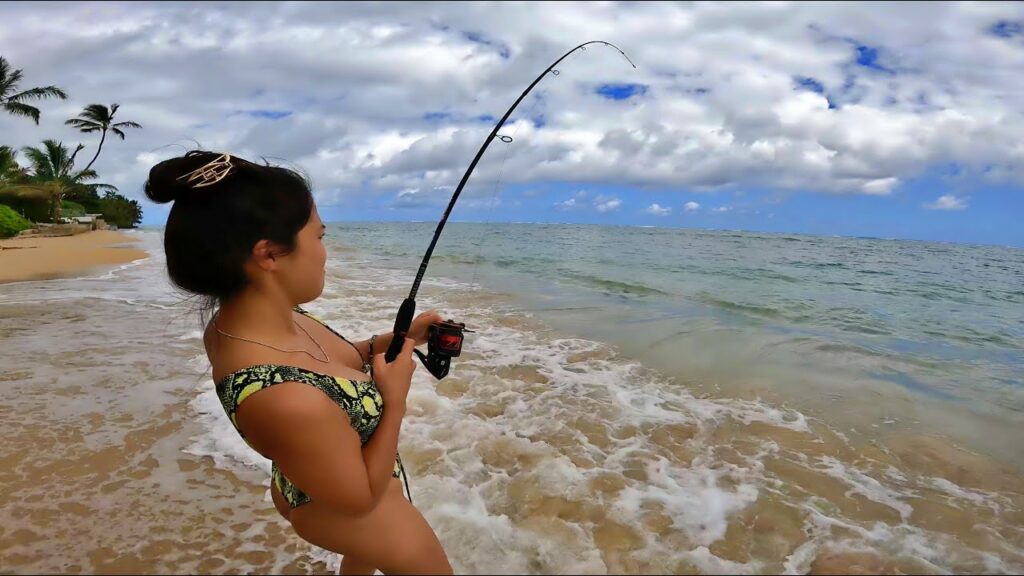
column 41, row 258
column 96, row 467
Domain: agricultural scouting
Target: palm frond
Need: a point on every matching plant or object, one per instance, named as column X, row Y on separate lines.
column 38, row 94
column 8, row 80
column 97, row 113
column 39, row 163
column 18, row 109
column 56, row 154
column 103, row 187
column 84, row 125
column 5, row 69
column 71, row 161
column 9, row 166
column 89, row 174
column 128, row 124
column 51, row 161
column 35, row 155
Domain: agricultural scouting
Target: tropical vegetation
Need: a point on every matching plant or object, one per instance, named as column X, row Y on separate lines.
column 48, row 186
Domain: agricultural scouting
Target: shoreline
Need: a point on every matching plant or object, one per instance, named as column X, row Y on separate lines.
column 47, row 258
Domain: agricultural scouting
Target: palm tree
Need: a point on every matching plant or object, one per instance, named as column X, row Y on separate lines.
column 97, row 118
column 51, row 161
column 53, row 173
column 13, row 102
column 10, row 170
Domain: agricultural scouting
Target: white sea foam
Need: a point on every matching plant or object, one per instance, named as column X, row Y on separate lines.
column 976, row 497
column 866, row 486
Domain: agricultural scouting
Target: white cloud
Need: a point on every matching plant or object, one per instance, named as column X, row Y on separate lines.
column 947, row 202
column 658, row 210
column 484, row 203
column 566, row 205
column 691, row 206
column 417, row 198
column 606, row 204
column 720, row 209
column 384, row 99
column 880, row 187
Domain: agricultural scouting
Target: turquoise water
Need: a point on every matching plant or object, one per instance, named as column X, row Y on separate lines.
column 838, row 327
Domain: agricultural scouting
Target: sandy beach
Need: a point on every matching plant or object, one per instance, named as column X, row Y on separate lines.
column 40, row 258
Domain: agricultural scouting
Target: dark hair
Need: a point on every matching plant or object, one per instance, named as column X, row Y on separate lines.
column 211, row 230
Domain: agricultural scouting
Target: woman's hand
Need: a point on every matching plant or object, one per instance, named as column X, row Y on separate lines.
column 419, row 326
column 393, row 380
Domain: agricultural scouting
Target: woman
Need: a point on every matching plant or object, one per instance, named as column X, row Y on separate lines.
column 247, row 239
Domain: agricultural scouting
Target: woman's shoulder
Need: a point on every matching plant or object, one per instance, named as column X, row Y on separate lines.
column 225, row 357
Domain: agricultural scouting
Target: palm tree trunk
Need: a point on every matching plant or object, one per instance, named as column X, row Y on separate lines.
column 98, row 150
column 56, row 213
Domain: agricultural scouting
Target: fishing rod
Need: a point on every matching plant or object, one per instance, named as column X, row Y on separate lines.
column 444, row 340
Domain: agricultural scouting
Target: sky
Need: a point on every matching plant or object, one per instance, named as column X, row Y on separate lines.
column 892, row 120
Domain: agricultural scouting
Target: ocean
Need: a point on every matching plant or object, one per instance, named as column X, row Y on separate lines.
column 632, row 400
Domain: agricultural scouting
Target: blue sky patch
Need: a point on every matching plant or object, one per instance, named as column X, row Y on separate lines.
column 868, row 58
column 437, row 116
column 812, row 85
column 503, row 50
column 808, row 83
column 1007, row 29
column 621, row 91
column 269, row 114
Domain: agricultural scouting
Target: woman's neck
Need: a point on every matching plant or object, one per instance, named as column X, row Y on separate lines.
column 257, row 314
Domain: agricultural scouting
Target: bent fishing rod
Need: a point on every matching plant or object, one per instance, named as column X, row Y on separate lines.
column 444, row 340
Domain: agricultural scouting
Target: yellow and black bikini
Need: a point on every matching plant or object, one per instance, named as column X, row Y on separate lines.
column 359, row 398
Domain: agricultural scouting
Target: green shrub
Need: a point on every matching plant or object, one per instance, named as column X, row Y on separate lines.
column 69, row 209
column 34, row 209
column 11, row 222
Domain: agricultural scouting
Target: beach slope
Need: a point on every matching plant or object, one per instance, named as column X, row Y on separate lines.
column 41, row 258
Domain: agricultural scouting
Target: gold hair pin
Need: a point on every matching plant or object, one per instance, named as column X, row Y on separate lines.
column 210, row 173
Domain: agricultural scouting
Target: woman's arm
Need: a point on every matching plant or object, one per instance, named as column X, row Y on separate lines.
column 379, row 451
column 312, row 441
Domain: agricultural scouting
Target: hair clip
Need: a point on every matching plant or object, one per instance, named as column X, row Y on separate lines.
column 210, row 173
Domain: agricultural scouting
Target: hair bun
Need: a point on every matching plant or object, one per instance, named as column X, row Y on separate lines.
column 165, row 183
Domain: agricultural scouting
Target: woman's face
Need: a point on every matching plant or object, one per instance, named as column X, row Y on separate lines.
column 305, row 268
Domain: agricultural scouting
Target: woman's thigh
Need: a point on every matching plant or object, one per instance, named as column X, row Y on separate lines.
column 394, row 537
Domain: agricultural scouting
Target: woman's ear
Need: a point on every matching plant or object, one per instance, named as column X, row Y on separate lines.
column 264, row 255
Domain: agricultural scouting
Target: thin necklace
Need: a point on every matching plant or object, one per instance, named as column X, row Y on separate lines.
column 322, row 351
